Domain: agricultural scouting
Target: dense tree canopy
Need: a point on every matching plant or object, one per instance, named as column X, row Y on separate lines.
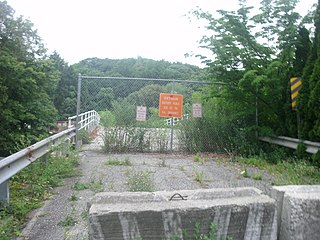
column 27, row 83
column 309, row 108
column 256, row 54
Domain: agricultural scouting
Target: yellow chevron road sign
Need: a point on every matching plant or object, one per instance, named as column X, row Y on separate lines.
column 295, row 86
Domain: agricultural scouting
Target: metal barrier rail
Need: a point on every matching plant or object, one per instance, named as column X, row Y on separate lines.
column 312, row 147
column 14, row 163
column 87, row 120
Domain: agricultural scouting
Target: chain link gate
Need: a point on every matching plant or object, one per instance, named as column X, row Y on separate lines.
column 117, row 99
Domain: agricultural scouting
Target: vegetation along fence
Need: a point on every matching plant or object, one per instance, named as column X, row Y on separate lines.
column 129, row 112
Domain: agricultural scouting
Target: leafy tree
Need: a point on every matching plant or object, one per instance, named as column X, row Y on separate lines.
column 124, row 113
column 302, row 52
column 65, row 96
column 103, row 100
column 147, row 96
column 27, row 80
column 308, row 101
column 255, row 55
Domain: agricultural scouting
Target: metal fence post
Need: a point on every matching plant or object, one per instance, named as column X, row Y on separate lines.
column 78, row 112
column 257, row 117
column 172, row 126
column 171, row 135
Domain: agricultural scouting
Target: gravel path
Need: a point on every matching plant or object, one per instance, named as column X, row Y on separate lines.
column 64, row 216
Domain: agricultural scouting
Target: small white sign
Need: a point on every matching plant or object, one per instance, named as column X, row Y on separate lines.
column 197, row 110
column 141, row 113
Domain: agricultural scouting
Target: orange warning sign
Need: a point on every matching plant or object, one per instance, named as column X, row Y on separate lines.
column 170, row 105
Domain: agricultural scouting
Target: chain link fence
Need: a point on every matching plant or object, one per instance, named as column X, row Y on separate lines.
column 118, row 99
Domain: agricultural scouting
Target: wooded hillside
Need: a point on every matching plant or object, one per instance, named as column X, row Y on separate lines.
column 138, row 68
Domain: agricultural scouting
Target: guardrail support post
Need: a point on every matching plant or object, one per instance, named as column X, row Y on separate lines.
column 4, row 192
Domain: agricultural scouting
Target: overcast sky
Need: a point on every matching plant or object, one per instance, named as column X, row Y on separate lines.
column 156, row 29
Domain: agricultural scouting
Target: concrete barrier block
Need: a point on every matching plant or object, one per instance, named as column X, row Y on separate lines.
column 299, row 211
column 239, row 213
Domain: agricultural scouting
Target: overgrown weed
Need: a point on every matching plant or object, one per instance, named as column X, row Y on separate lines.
column 199, row 177
column 140, row 181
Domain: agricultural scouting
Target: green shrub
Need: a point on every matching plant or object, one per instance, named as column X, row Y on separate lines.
column 84, row 136
column 107, row 118
column 216, row 131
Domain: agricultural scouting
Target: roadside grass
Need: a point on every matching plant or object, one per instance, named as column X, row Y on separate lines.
column 285, row 172
column 30, row 187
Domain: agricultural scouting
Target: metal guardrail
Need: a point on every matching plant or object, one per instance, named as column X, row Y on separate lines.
column 14, row 163
column 312, row 147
